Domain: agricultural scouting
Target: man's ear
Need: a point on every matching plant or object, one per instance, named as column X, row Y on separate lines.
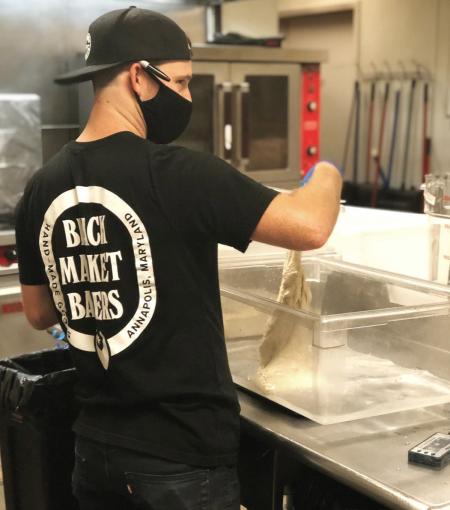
column 141, row 84
column 136, row 78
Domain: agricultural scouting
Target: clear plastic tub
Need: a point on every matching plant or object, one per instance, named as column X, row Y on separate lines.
column 439, row 248
column 436, row 193
column 371, row 342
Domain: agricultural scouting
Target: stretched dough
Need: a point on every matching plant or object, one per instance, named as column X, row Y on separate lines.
column 286, row 357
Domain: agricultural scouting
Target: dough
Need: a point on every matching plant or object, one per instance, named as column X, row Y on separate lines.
column 286, row 355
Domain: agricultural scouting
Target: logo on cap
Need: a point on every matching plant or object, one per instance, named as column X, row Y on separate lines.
column 88, row 46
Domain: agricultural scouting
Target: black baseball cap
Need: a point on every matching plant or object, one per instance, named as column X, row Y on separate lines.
column 129, row 35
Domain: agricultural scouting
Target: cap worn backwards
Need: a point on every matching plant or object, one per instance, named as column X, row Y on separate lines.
column 128, row 35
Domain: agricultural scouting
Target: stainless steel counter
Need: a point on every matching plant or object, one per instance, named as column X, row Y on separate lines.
column 369, row 455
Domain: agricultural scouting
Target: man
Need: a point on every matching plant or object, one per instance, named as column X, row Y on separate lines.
column 117, row 238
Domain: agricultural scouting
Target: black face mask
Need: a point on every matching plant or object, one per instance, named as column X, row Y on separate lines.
column 166, row 115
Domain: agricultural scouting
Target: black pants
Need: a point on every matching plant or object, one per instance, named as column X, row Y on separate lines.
column 112, row 478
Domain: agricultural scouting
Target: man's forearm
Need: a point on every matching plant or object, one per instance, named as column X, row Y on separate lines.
column 320, row 198
column 303, row 219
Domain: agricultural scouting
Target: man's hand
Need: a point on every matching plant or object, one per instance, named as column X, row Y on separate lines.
column 303, row 219
column 310, row 172
column 38, row 306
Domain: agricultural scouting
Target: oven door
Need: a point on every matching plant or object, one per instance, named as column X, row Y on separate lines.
column 266, row 123
column 205, row 131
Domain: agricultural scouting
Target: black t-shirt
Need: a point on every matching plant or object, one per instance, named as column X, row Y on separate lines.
column 125, row 234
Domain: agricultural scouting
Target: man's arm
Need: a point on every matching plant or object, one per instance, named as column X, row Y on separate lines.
column 304, row 218
column 36, row 298
column 38, row 306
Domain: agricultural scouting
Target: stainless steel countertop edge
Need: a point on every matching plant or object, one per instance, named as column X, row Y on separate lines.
column 366, row 485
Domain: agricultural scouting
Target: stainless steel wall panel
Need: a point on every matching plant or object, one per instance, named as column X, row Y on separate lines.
column 40, row 39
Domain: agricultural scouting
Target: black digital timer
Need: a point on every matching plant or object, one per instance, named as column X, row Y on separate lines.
column 433, row 452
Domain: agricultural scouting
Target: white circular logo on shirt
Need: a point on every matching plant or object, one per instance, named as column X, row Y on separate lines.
column 88, row 46
column 102, row 278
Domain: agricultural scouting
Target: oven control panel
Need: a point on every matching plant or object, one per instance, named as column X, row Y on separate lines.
column 310, row 117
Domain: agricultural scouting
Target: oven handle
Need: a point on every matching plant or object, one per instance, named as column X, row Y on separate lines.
column 224, row 125
column 242, row 122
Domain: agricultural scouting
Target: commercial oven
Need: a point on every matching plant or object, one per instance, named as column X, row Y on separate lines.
column 257, row 108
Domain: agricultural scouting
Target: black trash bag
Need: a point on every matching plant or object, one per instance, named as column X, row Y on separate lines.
column 37, row 409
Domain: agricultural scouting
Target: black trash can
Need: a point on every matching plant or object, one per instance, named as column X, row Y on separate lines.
column 37, row 409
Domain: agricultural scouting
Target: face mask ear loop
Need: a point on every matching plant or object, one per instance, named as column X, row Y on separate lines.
column 136, row 95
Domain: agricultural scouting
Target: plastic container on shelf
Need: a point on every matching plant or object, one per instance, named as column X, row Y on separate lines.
column 370, row 343
column 436, row 193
